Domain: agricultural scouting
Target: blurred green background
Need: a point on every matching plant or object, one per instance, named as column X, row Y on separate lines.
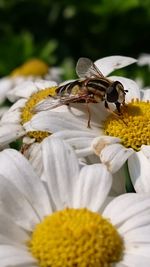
column 61, row 31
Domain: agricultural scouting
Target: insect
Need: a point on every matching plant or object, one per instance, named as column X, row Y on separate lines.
column 91, row 87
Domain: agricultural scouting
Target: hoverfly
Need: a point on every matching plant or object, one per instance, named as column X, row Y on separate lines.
column 91, row 87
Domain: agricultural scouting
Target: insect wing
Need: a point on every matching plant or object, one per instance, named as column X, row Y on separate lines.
column 85, row 68
column 47, row 104
column 52, row 103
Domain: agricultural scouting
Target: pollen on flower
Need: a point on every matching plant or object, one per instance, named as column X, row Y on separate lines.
column 28, row 111
column 133, row 126
column 34, row 67
column 76, row 237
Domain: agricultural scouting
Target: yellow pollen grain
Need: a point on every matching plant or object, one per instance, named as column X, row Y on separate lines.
column 133, row 126
column 76, row 237
column 28, row 111
column 33, row 67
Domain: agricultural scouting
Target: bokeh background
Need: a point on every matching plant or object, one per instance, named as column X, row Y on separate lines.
column 61, row 31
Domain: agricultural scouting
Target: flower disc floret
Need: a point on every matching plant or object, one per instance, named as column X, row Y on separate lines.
column 133, row 126
column 33, row 67
column 28, row 111
column 76, row 237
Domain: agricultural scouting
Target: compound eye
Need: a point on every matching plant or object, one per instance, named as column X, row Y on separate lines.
column 119, row 87
column 112, row 94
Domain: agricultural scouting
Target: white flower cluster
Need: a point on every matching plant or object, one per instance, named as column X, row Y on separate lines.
column 65, row 174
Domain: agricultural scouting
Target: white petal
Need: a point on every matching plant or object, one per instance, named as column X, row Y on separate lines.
column 13, row 203
column 5, row 85
column 81, row 145
column 139, row 249
column 114, row 156
column 18, row 105
column 10, row 233
column 34, row 155
column 130, row 85
column 109, row 64
column 43, row 84
column 13, row 256
column 11, row 117
column 13, row 112
column 145, row 94
column 92, row 187
column 135, row 222
column 144, row 59
column 135, row 260
column 100, row 142
column 3, row 110
column 10, row 133
column 146, row 151
column 71, row 134
column 139, row 235
column 79, row 140
column 126, row 206
column 97, row 110
column 21, row 173
column 120, row 265
column 139, row 169
column 24, row 89
column 55, row 74
column 98, row 114
column 75, row 117
column 27, row 88
column 84, row 152
column 61, row 170
column 26, row 140
column 52, row 122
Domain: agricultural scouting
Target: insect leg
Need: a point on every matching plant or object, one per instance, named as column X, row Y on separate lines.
column 89, row 116
column 112, row 112
column 118, row 107
column 106, row 105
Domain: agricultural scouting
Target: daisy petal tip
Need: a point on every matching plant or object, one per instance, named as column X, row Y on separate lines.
column 99, row 143
column 111, row 63
column 114, row 156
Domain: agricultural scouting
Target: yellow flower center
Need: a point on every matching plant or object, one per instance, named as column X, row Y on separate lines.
column 133, row 126
column 76, row 237
column 28, row 111
column 34, row 67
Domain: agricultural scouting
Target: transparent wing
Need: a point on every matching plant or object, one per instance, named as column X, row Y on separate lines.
column 51, row 103
column 47, row 104
column 85, row 68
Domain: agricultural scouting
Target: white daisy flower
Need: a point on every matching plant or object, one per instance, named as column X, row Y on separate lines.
column 32, row 70
column 113, row 139
column 68, row 221
column 11, row 124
